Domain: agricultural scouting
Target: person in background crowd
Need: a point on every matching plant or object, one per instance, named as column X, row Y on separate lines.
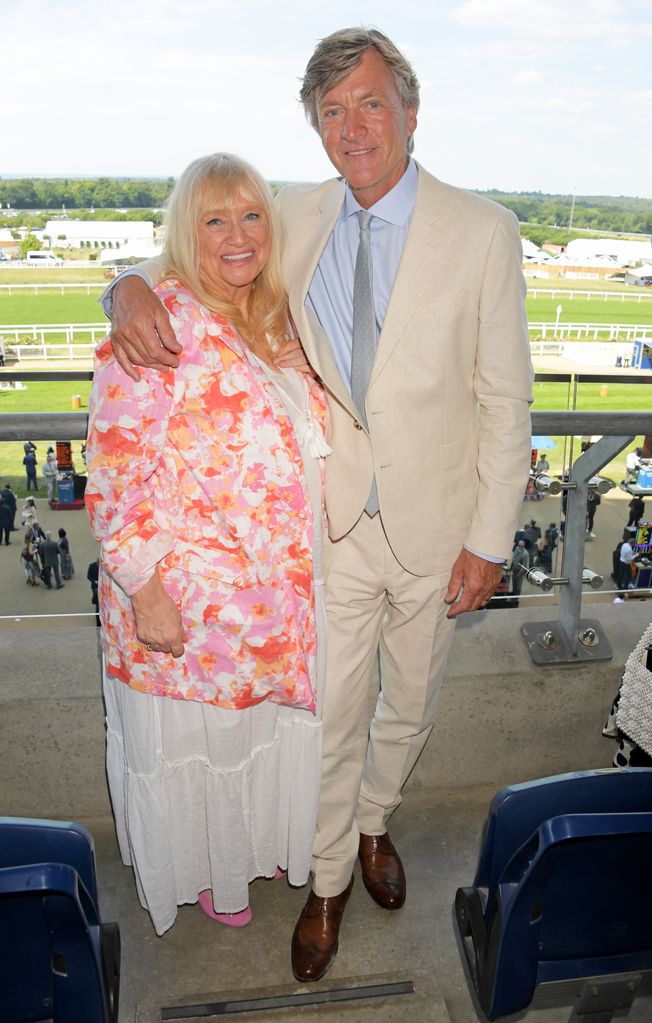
column 49, row 555
column 93, row 575
column 519, row 566
column 30, row 562
column 28, row 512
column 521, row 534
column 6, row 518
column 50, row 472
column 552, row 536
column 67, row 568
column 8, row 496
column 632, row 465
column 542, row 465
column 36, row 532
column 593, row 500
column 29, row 461
column 543, row 557
column 626, row 560
column 532, row 533
column 636, row 510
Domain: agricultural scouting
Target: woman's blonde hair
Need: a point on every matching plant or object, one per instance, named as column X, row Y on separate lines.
column 220, row 177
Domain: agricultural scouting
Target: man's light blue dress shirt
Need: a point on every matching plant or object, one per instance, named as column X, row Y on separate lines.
column 330, row 295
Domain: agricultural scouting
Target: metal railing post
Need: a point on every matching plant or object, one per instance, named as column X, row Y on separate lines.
column 584, row 468
column 571, row 639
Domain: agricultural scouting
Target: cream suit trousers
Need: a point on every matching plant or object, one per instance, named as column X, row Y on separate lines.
column 372, row 602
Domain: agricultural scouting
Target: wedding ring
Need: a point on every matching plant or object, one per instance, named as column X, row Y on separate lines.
column 150, row 647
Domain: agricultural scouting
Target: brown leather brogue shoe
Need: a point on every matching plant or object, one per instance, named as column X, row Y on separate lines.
column 382, row 870
column 314, row 942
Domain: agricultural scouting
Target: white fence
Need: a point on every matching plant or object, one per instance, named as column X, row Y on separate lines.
column 77, row 340
column 592, row 331
column 52, row 333
column 606, row 296
column 546, row 347
column 62, row 288
column 51, row 340
column 50, row 352
column 72, row 264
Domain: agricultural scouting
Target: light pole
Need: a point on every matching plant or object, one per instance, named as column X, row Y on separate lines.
column 572, row 210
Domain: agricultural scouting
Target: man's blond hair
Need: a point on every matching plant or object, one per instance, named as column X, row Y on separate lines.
column 338, row 54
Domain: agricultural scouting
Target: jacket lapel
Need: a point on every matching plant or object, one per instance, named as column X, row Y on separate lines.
column 425, row 248
column 306, row 249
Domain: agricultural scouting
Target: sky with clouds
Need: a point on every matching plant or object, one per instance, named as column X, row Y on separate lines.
column 518, row 95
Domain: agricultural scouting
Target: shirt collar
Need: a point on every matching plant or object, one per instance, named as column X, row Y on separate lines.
column 395, row 207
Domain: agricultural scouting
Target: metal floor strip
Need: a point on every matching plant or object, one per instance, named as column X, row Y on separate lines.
column 343, row 994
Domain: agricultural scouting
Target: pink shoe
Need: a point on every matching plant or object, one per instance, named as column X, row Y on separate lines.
column 279, row 873
column 240, row 919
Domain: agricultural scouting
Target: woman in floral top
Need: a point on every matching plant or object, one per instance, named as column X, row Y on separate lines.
column 205, row 491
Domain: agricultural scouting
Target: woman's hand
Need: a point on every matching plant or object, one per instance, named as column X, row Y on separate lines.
column 292, row 356
column 158, row 619
column 141, row 333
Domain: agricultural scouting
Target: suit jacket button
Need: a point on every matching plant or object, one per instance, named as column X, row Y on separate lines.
column 357, row 424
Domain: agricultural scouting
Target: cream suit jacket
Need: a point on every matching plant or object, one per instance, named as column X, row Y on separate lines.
column 448, row 401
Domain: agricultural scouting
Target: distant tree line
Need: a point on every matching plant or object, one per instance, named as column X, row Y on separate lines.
column 86, row 193
column 98, row 198
column 593, row 212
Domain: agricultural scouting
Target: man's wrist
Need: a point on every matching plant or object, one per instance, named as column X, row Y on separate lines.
column 485, row 557
column 106, row 298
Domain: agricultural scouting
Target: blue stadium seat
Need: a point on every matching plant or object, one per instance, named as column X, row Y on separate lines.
column 59, row 962
column 562, row 894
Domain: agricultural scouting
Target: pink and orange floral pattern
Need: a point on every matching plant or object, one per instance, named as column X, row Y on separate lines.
column 197, row 471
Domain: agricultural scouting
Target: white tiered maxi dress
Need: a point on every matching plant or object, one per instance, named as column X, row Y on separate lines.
column 207, row 798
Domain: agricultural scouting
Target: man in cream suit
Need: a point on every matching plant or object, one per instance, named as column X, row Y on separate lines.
column 428, row 466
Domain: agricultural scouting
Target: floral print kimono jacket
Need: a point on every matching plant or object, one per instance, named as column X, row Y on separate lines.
column 197, row 471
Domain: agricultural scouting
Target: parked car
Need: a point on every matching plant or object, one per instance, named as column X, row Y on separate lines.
column 43, row 259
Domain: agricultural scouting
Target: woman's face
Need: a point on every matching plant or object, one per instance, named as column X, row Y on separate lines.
column 234, row 246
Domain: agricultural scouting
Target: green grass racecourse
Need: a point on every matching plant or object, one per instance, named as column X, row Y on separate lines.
column 582, row 310
column 76, row 306
column 37, row 397
column 79, row 307
column 50, row 307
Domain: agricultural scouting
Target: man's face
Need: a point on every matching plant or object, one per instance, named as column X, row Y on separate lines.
column 365, row 127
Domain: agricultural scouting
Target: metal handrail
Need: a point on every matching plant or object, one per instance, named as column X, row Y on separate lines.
column 560, row 641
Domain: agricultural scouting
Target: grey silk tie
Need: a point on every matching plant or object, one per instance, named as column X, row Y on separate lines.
column 363, row 350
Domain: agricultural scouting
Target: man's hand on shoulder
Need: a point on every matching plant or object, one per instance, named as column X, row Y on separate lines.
column 472, row 583
column 141, row 333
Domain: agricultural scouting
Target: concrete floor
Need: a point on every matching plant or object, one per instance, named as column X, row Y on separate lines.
column 500, row 721
column 199, row 961
column 22, row 606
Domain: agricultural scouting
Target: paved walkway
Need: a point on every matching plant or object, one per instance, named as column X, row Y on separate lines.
column 610, row 520
column 23, row 606
column 26, row 606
